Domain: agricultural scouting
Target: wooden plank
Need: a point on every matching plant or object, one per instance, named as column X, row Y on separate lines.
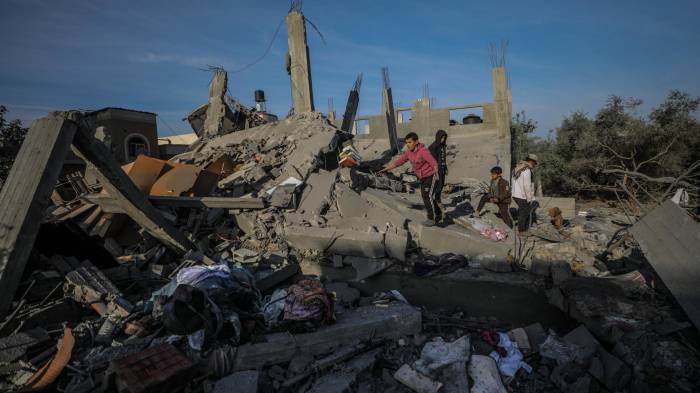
column 25, row 196
column 210, row 202
column 100, row 229
column 118, row 185
column 76, row 212
column 89, row 220
column 107, row 203
column 670, row 240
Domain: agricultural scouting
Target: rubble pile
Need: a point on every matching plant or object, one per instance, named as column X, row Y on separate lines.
column 243, row 264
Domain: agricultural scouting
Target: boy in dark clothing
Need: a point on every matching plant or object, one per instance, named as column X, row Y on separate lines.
column 499, row 193
column 439, row 151
column 425, row 167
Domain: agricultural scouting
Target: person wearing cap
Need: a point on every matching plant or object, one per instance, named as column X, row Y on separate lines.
column 523, row 191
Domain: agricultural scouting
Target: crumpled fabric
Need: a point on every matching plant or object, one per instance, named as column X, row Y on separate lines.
column 208, row 277
column 510, row 364
column 494, row 234
column 274, row 307
column 307, row 300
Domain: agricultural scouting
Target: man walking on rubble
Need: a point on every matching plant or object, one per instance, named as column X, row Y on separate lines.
column 524, row 192
column 499, row 193
column 426, row 168
column 439, row 151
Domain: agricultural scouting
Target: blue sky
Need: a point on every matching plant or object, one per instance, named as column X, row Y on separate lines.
column 150, row 55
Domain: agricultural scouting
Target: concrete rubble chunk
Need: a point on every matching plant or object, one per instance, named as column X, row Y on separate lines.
column 15, row 346
column 336, row 241
column 396, row 243
column 368, row 267
column 350, row 203
column 418, row 382
column 277, row 277
column 584, row 339
column 316, row 195
column 519, row 336
column 365, row 322
column 670, row 240
column 245, row 256
column 240, row 382
column 484, row 372
column 343, row 293
column 536, row 335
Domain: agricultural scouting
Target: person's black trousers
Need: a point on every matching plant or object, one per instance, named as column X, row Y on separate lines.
column 502, row 209
column 430, row 197
column 524, row 214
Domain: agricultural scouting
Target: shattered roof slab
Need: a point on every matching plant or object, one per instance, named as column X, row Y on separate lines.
column 670, row 239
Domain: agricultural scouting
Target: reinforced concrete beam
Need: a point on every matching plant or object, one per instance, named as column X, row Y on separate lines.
column 25, row 196
column 131, row 201
column 299, row 63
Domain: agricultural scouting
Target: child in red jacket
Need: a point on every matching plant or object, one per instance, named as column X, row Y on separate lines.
column 425, row 167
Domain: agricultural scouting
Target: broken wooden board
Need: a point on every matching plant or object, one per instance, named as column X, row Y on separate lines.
column 364, row 323
column 25, row 196
column 107, row 203
column 208, row 202
column 118, row 185
column 670, row 239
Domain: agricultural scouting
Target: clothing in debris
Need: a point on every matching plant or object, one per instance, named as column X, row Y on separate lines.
column 422, row 161
column 308, row 301
column 500, row 191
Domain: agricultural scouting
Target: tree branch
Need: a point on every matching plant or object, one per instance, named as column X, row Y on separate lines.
column 661, row 153
column 618, row 155
column 667, row 180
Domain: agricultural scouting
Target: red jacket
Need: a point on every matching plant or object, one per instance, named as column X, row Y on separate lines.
column 423, row 162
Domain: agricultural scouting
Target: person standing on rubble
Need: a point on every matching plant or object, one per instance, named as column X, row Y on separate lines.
column 439, row 151
column 499, row 194
column 524, row 192
column 426, row 168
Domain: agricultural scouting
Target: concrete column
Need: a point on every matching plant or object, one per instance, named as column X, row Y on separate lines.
column 216, row 111
column 502, row 105
column 25, row 195
column 299, row 64
column 389, row 114
column 501, row 99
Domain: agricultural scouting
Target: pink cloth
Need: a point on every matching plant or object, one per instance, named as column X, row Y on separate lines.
column 423, row 162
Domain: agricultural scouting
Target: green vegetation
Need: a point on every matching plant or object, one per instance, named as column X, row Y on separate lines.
column 617, row 151
column 11, row 136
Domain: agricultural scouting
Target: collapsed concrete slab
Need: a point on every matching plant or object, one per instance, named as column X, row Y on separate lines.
column 460, row 241
column 317, row 192
column 670, row 239
column 337, row 241
column 349, row 202
column 368, row 322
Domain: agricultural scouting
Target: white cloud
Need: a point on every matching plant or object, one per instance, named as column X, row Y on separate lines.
column 190, row 61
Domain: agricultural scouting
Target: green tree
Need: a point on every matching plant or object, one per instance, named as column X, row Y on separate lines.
column 11, row 137
column 618, row 151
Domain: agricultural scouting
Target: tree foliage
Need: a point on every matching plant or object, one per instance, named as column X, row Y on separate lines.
column 617, row 150
column 11, row 137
